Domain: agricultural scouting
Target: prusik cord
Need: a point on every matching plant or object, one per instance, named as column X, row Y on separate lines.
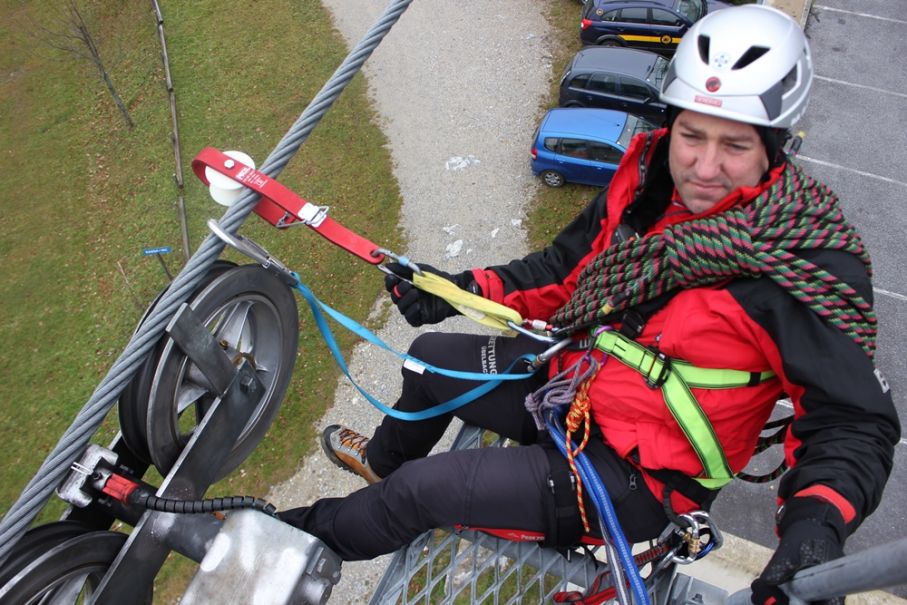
column 760, row 238
column 577, row 417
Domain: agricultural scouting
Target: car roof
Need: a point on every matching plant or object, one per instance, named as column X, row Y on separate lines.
column 606, row 124
column 613, row 59
column 612, row 4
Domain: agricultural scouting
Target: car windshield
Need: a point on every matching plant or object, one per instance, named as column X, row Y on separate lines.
column 657, row 71
column 633, row 127
column 691, row 9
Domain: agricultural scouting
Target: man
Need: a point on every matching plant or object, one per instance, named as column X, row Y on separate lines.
column 708, row 252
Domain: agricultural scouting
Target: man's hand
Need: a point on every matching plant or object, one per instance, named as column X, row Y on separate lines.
column 812, row 532
column 418, row 307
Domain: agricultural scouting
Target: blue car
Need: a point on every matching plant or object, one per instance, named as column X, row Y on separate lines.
column 582, row 145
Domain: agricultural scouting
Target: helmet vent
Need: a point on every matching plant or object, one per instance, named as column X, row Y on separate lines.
column 704, row 42
column 789, row 81
column 751, row 54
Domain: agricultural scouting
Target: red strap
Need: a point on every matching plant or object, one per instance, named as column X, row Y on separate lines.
column 525, row 535
column 282, row 207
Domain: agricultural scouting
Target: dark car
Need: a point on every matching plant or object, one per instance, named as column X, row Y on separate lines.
column 654, row 25
column 625, row 79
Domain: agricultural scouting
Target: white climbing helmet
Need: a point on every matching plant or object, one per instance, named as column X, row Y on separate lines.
column 748, row 63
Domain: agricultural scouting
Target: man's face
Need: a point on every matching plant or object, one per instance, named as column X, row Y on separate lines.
column 709, row 157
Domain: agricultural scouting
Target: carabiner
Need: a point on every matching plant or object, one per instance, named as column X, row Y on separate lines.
column 690, row 538
column 716, row 540
column 403, row 260
column 546, row 355
column 534, row 335
column 253, row 250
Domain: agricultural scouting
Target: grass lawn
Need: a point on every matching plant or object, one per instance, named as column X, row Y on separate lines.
column 82, row 195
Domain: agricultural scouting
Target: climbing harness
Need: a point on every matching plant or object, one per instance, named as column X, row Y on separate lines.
column 675, row 378
column 567, row 393
column 760, row 238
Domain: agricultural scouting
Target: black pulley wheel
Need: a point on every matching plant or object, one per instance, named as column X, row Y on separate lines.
column 69, row 572
column 253, row 316
column 132, row 407
column 35, row 542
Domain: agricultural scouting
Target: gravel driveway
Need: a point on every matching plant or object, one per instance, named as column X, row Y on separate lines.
column 458, row 85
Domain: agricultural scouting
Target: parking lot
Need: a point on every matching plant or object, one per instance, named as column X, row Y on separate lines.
column 856, row 142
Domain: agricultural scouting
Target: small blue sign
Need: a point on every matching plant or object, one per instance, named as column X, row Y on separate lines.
column 158, row 250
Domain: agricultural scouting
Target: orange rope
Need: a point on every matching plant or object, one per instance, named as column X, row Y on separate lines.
column 578, row 415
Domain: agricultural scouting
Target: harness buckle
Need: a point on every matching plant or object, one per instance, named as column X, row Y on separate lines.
column 658, row 381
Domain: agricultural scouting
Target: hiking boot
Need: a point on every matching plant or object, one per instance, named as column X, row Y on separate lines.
column 346, row 448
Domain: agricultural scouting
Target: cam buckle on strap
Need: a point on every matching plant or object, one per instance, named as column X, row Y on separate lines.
column 282, row 207
column 675, row 378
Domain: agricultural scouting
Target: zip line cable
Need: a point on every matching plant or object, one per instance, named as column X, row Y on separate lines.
column 75, row 439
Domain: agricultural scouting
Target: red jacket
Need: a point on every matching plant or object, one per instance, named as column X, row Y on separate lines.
column 840, row 446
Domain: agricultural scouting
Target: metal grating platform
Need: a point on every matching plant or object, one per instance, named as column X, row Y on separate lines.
column 453, row 567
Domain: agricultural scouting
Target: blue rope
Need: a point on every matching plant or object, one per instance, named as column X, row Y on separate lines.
column 602, row 500
column 489, row 381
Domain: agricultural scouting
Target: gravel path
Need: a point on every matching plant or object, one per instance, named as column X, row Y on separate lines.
column 458, row 85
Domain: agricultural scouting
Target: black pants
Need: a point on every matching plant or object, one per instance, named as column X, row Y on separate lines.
column 508, row 488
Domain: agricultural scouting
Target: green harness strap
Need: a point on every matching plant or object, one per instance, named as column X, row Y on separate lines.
column 676, row 378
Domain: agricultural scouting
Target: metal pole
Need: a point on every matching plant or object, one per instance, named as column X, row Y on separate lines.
column 876, row 568
column 879, row 567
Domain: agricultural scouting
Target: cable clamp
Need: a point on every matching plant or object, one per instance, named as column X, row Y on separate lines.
column 79, row 487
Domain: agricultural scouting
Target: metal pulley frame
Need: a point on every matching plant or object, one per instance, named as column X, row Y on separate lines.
column 75, row 560
column 253, row 317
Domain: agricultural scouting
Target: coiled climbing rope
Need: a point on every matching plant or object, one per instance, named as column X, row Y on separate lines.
column 762, row 238
column 73, row 442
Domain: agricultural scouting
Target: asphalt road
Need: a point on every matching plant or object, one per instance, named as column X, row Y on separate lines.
column 856, row 142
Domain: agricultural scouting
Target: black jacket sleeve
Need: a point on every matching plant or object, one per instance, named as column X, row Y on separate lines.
column 543, row 280
column 846, row 426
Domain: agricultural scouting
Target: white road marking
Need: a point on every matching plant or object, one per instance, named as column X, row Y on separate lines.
column 891, row 294
column 856, row 14
column 854, row 170
column 864, row 86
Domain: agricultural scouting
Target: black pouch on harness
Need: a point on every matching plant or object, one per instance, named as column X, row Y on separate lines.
column 565, row 527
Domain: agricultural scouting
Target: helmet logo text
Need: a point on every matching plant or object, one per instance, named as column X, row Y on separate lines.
column 707, row 101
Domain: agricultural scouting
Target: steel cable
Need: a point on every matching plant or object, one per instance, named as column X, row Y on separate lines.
column 75, row 438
